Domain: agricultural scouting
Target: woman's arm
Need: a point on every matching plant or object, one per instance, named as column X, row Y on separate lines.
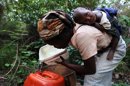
column 88, row 68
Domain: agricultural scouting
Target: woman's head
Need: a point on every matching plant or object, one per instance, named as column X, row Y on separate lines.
column 56, row 28
column 83, row 15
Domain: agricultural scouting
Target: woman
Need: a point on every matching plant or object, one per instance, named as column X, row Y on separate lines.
column 58, row 29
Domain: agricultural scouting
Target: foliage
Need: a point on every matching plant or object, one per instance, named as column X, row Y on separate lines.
column 29, row 11
column 120, row 84
column 1, row 11
column 5, row 54
column 74, row 56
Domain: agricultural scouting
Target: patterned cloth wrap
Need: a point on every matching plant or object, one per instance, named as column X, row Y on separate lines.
column 51, row 24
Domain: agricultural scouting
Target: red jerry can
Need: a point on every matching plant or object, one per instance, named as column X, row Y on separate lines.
column 45, row 78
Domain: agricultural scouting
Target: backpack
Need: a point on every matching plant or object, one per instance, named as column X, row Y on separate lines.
column 111, row 15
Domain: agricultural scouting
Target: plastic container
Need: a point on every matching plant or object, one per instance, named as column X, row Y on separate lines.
column 45, row 78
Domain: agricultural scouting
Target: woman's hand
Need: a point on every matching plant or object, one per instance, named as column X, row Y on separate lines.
column 62, row 61
column 88, row 68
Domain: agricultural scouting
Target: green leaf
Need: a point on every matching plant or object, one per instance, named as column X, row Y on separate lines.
column 7, row 65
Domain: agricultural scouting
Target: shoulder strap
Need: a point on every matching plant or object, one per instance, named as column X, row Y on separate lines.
column 78, row 27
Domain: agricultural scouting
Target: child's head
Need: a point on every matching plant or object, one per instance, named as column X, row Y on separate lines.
column 83, row 16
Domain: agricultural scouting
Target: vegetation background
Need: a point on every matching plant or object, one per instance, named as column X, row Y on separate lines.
column 20, row 42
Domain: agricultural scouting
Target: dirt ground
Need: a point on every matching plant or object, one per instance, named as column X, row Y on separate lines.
column 121, row 78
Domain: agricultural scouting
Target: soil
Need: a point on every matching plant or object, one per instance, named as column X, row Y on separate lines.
column 121, row 78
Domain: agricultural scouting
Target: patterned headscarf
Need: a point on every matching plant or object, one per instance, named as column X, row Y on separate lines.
column 51, row 24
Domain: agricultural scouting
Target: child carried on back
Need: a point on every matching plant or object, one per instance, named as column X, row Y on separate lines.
column 99, row 20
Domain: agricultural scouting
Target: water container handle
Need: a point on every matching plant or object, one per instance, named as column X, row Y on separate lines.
column 50, row 75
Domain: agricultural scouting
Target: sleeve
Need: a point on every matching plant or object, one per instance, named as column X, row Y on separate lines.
column 86, row 44
column 105, row 22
